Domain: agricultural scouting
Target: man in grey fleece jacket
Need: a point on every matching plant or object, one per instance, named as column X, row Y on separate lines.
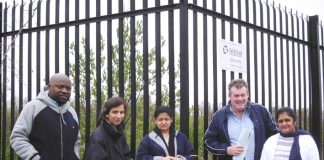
column 48, row 128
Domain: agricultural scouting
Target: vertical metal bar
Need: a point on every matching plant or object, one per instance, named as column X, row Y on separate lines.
column 293, row 61
column 315, row 82
column 57, row 37
column 47, row 47
column 309, row 81
column 13, row 70
column 322, row 135
column 215, row 77
column 171, row 59
column 231, row 32
column 232, row 75
column 288, row 59
column 145, row 72
column 255, row 42
column 158, row 54
column 38, row 66
column 223, row 71
column 4, row 91
column 121, row 49
column 224, row 87
column 67, row 38
column 195, row 70
column 231, row 24
column 214, row 26
column 1, row 72
column 262, row 57
column 87, row 70
column 109, row 50
column 205, row 65
column 29, row 72
column 239, row 12
column 21, row 44
column 77, row 61
column 133, row 79
column 269, row 60
column 223, row 21
column 275, row 53
column 1, row 84
column 247, row 9
column 304, row 77
column 299, row 75
column 98, row 62
column 1, row 76
column 281, row 60
column 184, row 71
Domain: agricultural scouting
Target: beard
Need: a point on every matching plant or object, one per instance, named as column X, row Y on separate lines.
column 60, row 101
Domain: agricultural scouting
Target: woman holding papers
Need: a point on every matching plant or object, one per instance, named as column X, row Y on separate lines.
column 164, row 143
column 290, row 143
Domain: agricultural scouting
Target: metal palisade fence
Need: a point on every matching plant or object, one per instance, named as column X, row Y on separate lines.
column 159, row 52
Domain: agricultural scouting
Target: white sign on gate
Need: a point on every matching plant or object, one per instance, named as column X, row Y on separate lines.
column 232, row 56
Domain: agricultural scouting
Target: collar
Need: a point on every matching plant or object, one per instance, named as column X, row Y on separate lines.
column 53, row 101
column 228, row 108
column 114, row 132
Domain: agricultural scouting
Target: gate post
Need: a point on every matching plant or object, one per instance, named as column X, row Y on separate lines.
column 315, row 80
column 184, row 68
column 1, row 76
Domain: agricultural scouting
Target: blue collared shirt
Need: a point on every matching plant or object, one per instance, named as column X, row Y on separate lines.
column 235, row 126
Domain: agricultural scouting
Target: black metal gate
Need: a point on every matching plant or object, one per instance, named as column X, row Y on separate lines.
column 159, row 52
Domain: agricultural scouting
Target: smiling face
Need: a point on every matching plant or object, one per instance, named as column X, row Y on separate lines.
column 163, row 121
column 239, row 98
column 116, row 115
column 286, row 124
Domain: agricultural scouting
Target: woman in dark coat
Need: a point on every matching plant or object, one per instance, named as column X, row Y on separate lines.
column 108, row 141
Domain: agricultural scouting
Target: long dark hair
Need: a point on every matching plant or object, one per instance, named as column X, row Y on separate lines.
column 111, row 103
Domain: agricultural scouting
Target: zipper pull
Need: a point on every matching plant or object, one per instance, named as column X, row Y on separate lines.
column 62, row 116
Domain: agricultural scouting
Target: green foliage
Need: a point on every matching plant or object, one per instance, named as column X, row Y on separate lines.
column 200, row 133
column 115, row 80
column 92, row 74
column 8, row 127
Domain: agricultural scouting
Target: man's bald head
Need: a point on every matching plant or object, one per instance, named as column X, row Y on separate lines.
column 58, row 77
column 59, row 88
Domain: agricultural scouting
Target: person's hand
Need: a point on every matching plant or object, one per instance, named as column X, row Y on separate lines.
column 171, row 158
column 167, row 158
column 235, row 150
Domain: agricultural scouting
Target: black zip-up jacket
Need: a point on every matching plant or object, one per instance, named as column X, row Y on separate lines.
column 107, row 143
column 217, row 138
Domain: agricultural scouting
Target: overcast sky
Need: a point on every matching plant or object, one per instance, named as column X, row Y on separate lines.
column 308, row 7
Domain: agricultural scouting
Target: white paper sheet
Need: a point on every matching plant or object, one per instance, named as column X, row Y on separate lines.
column 244, row 141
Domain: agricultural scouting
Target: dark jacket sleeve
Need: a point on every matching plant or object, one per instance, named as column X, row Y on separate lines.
column 189, row 151
column 215, row 138
column 269, row 122
column 95, row 151
column 127, row 152
column 144, row 151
